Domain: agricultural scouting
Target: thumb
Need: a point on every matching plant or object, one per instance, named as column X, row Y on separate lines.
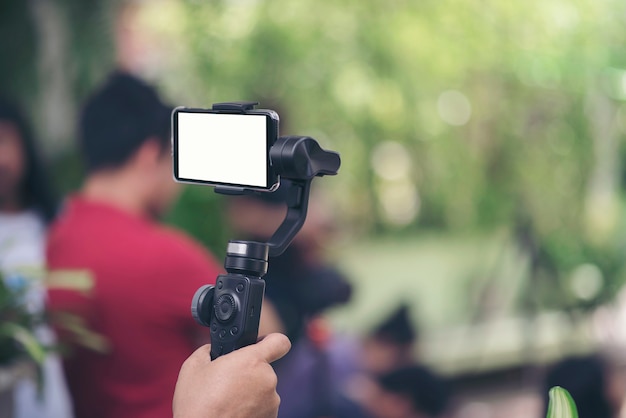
column 271, row 348
column 201, row 355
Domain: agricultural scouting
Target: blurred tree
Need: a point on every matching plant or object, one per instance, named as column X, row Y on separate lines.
column 455, row 115
column 53, row 52
column 449, row 114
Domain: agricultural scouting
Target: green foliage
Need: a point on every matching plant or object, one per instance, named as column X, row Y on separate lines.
column 460, row 116
column 449, row 115
column 199, row 212
column 357, row 74
column 90, row 33
column 18, row 71
column 17, row 325
column 561, row 404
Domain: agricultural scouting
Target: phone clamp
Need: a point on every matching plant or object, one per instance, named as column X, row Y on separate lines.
column 235, row 106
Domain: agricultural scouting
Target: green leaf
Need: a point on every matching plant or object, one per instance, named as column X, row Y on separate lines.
column 26, row 339
column 561, row 404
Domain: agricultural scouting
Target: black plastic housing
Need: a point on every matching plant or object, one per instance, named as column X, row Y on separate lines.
column 242, row 327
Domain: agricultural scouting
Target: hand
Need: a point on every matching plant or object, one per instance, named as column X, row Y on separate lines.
column 240, row 384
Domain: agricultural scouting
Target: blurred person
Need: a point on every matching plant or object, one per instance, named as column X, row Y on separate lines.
column 143, row 275
column 391, row 344
column 309, row 377
column 407, row 392
column 300, row 286
column 238, row 384
column 590, row 382
column 27, row 206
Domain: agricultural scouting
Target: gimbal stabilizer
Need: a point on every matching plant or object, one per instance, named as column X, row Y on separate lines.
column 232, row 308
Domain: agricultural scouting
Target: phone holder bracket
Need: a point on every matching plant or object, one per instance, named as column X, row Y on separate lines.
column 235, row 106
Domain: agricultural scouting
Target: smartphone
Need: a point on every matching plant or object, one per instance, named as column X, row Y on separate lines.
column 223, row 148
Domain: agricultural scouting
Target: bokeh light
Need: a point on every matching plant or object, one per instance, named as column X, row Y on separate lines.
column 454, row 108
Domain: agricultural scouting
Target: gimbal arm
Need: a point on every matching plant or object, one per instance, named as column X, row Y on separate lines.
column 299, row 159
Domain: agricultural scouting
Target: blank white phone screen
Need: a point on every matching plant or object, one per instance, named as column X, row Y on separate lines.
column 223, row 148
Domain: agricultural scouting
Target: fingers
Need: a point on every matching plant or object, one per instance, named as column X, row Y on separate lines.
column 272, row 347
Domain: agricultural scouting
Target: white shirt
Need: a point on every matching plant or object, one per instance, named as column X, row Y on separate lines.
column 22, row 262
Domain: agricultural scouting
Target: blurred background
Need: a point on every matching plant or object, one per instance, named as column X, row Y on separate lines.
column 483, row 147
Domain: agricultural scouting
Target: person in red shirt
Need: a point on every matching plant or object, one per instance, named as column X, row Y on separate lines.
column 143, row 275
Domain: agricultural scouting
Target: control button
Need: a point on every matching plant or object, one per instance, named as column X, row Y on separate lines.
column 239, row 288
column 220, row 284
column 234, row 330
column 225, row 308
column 214, row 327
column 222, row 333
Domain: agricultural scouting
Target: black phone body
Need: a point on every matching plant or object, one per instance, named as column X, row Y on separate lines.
column 225, row 148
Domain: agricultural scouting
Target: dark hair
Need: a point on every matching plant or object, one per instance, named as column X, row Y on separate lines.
column 118, row 118
column 299, row 291
column 428, row 392
column 397, row 327
column 35, row 191
column 585, row 379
